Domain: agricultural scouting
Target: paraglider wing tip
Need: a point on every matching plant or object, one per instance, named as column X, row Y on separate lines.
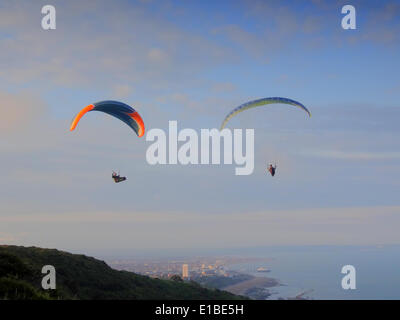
column 72, row 127
column 223, row 125
column 139, row 121
column 80, row 115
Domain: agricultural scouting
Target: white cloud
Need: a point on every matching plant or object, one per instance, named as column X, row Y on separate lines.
column 115, row 45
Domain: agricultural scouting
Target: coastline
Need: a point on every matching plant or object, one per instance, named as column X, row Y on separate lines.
column 255, row 288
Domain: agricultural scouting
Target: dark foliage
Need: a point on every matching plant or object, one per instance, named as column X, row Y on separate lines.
column 82, row 277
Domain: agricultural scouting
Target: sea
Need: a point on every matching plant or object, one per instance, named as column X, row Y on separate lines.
column 315, row 272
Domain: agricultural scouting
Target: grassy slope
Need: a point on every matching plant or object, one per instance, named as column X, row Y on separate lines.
column 82, row 277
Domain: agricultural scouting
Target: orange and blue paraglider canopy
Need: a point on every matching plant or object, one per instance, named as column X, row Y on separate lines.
column 116, row 109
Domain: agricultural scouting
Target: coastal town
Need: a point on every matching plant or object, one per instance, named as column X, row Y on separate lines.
column 211, row 272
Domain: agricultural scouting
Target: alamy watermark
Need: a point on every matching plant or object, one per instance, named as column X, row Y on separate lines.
column 49, row 280
column 349, row 20
column 204, row 150
column 349, row 280
column 49, row 20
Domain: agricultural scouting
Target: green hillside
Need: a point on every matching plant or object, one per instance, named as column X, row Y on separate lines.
column 82, row 277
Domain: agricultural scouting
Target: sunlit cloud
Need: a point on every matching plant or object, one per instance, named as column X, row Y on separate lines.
column 19, row 111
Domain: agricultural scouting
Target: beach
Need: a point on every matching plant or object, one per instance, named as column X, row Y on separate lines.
column 254, row 287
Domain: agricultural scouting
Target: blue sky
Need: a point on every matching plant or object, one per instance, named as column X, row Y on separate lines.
column 194, row 61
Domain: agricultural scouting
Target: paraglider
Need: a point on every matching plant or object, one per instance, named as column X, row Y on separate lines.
column 116, row 109
column 117, row 178
column 259, row 103
column 262, row 102
column 272, row 169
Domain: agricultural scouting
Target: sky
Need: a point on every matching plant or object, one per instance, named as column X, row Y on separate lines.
column 193, row 61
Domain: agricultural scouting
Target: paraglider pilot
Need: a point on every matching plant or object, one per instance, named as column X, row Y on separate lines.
column 272, row 169
column 117, row 178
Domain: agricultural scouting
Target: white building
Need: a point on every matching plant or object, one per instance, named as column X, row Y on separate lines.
column 185, row 271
